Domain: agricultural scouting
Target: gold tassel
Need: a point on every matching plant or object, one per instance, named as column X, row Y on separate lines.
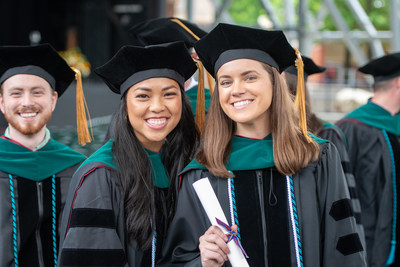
column 210, row 81
column 300, row 96
column 81, row 109
column 200, row 103
column 177, row 21
column 200, row 117
column 209, row 77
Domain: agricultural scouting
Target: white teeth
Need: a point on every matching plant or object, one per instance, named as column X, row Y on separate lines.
column 241, row 103
column 156, row 121
column 28, row 115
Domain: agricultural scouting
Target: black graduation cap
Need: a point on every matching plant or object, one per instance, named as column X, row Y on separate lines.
column 44, row 61
column 166, row 30
column 133, row 64
column 40, row 60
column 172, row 29
column 383, row 68
column 229, row 42
column 309, row 68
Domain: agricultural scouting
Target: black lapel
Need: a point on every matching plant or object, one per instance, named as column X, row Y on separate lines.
column 28, row 221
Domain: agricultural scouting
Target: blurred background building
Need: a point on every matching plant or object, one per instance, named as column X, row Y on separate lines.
column 338, row 34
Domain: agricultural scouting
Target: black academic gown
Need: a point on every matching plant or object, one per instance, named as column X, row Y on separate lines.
column 327, row 233
column 34, row 211
column 371, row 164
column 335, row 135
column 93, row 225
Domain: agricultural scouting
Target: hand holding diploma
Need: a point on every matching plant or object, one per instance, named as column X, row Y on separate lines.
column 213, row 248
column 213, row 241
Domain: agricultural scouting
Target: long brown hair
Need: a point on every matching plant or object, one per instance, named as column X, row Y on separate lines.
column 292, row 151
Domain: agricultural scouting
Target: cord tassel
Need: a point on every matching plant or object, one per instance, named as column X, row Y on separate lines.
column 200, row 117
column 300, row 96
column 177, row 21
column 81, row 110
column 390, row 259
column 201, row 75
column 210, row 81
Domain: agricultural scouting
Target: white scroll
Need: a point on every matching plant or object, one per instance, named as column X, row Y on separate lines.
column 213, row 209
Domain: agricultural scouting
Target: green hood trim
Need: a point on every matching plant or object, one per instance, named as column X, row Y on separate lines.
column 378, row 117
column 250, row 154
column 37, row 165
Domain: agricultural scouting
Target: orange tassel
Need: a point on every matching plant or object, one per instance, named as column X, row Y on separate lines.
column 300, row 96
column 81, row 109
column 200, row 103
column 210, row 81
column 177, row 21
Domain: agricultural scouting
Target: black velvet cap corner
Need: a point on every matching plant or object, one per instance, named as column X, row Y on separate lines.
column 165, row 30
column 383, row 68
column 40, row 60
column 133, row 64
column 229, row 42
column 309, row 67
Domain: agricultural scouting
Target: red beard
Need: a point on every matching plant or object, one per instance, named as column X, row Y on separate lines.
column 28, row 128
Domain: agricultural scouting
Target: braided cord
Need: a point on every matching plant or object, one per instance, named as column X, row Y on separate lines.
column 14, row 221
column 232, row 204
column 54, row 218
column 390, row 259
column 230, row 201
column 153, row 249
column 295, row 222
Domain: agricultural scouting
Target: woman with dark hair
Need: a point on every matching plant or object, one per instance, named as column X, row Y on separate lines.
column 122, row 197
column 282, row 188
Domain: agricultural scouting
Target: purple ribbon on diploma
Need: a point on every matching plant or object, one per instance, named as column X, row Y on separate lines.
column 232, row 236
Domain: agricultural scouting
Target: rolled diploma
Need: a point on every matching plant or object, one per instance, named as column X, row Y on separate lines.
column 213, row 209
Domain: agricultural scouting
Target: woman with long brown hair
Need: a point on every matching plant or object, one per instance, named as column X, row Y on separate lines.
column 282, row 188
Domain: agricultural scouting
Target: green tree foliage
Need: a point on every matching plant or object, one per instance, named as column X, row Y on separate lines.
column 377, row 11
column 246, row 12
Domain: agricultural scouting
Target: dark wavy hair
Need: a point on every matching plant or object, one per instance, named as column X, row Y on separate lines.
column 134, row 167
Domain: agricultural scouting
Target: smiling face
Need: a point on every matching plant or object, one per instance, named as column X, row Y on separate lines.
column 245, row 93
column 27, row 102
column 154, row 108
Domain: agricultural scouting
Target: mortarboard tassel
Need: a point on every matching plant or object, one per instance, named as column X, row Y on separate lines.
column 392, row 253
column 300, row 96
column 177, row 21
column 200, row 117
column 210, row 81
column 81, row 109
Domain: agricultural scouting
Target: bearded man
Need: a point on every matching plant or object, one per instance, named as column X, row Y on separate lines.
column 35, row 170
